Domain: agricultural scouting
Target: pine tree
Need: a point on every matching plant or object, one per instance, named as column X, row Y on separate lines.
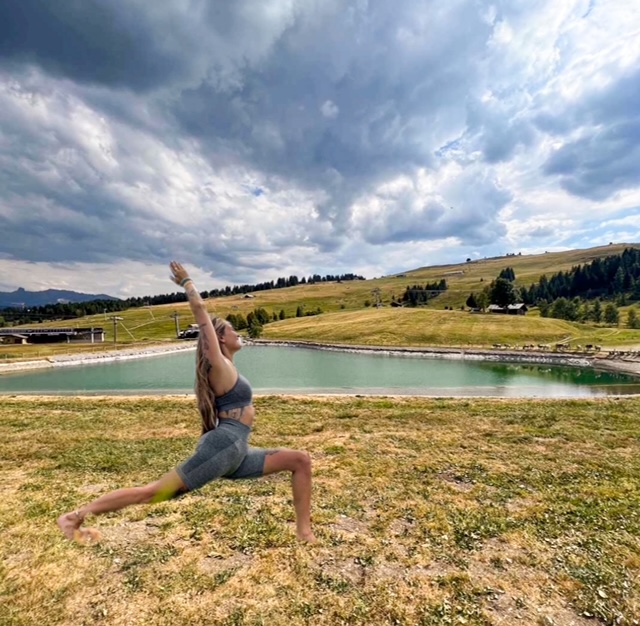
column 611, row 314
column 596, row 313
column 255, row 328
column 502, row 292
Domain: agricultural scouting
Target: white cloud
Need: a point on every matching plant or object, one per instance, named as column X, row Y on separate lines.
column 329, row 109
column 256, row 140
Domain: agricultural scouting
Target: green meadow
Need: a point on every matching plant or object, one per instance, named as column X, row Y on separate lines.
column 428, row 512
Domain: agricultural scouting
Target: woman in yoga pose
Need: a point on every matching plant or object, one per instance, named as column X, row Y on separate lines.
column 224, row 399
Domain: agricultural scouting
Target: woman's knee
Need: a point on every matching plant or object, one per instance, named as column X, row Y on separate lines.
column 285, row 460
column 161, row 490
column 302, row 461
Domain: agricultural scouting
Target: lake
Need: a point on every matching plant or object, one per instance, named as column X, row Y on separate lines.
column 278, row 369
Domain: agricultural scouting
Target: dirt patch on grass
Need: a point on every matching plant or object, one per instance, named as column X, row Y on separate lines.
column 348, row 527
column 125, row 534
column 215, row 564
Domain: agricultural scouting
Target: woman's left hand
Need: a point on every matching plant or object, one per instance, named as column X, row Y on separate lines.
column 178, row 272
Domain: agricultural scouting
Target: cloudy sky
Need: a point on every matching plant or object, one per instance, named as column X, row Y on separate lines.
column 261, row 138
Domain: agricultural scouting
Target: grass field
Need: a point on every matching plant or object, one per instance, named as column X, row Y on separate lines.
column 428, row 512
column 428, row 327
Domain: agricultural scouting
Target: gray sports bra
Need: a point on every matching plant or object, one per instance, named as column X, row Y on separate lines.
column 237, row 397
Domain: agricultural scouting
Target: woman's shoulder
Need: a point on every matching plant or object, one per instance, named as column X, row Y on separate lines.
column 223, row 378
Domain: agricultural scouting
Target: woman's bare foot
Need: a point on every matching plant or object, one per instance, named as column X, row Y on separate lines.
column 69, row 523
column 306, row 537
column 87, row 535
column 71, row 526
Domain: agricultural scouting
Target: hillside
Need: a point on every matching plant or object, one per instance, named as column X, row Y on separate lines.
column 23, row 298
column 427, row 327
column 476, row 274
column 346, row 319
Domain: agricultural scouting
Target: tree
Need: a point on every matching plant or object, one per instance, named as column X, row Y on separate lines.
column 255, row 328
column 282, row 314
column 596, row 312
column 472, row 303
column 621, row 299
column 633, row 321
column 262, row 315
column 559, row 309
column 618, row 281
column 508, row 274
column 611, row 314
column 482, row 299
column 544, row 307
column 237, row 321
column 299, row 311
column 565, row 309
column 502, row 292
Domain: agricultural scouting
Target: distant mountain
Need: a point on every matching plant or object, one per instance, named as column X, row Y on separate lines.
column 23, row 298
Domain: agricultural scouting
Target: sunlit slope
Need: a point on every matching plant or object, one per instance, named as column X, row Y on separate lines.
column 427, row 327
column 464, row 278
column 157, row 322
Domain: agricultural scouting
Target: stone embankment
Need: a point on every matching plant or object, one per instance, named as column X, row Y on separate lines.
column 613, row 361
column 18, row 366
column 87, row 358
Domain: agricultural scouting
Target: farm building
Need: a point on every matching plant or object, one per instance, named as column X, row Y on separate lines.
column 13, row 339
column 53, row 335
column 511, row 309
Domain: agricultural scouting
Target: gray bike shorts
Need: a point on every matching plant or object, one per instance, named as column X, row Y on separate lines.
column 223, row 452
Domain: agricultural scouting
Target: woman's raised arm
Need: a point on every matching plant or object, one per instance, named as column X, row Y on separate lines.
column 210, row 343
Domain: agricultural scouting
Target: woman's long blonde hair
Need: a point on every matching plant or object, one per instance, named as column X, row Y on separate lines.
column 204, row 393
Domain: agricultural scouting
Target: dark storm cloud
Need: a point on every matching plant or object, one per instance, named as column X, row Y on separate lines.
column 342, row 104
column 134, row 44
column 112, row 43
column 497, row 130
column 604, row 160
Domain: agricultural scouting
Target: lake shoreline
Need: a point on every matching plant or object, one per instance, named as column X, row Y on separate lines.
column 90, row 358
column 540, row 357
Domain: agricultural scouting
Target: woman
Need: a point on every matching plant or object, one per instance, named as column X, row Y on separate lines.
column 224, row 400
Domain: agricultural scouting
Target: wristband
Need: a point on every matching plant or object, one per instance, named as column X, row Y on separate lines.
column 184, row 281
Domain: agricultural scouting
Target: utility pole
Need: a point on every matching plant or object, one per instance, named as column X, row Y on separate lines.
column 115, row 319
column 176, row 316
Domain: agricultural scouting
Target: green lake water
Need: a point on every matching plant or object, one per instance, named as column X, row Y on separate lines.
column 274, row 369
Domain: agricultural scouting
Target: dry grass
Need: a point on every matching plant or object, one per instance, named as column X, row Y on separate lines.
column 428, row 327
column 428, row 511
